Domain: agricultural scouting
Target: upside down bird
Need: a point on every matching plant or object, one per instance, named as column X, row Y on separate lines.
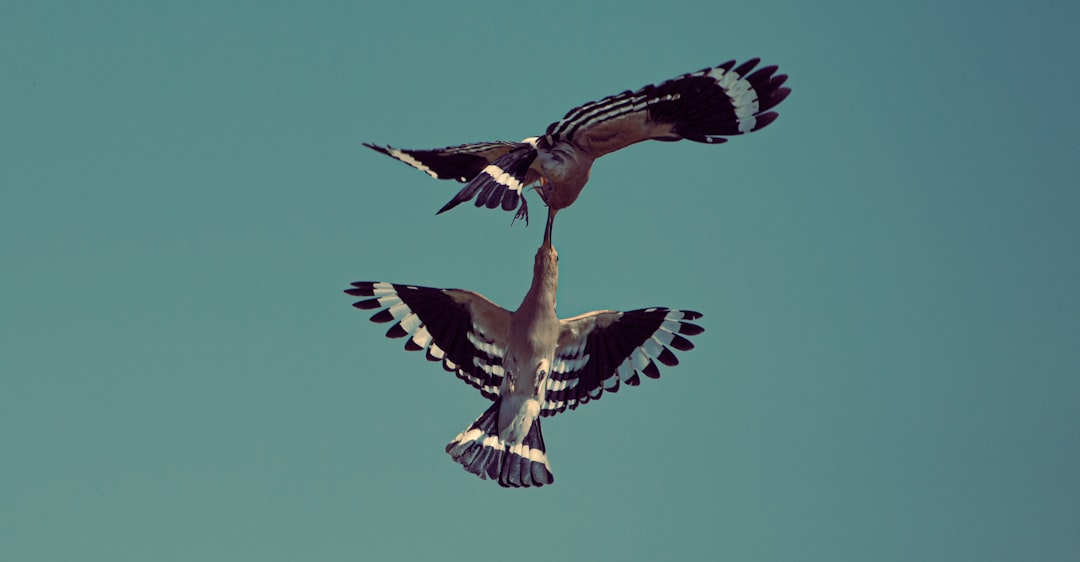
column 528, row 362
column 705, row 106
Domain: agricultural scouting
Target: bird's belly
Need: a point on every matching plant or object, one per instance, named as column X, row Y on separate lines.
column 568, row 174
column 564, row 195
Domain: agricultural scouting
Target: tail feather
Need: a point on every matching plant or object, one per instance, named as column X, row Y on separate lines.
column 514, row 465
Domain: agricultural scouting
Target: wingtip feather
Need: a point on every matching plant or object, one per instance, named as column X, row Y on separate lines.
column 382, row 149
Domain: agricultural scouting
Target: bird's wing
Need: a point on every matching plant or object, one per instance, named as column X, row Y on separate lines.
column 463, row 330
column 600, row 350
column 502, row 182
column 704, row 106
column 461, row 163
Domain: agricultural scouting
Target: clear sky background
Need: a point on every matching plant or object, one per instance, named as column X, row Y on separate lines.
column 888, row 274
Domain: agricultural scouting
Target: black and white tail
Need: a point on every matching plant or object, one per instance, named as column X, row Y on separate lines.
column 480, row 450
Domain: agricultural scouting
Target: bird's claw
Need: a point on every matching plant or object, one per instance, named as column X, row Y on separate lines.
column 522, row 212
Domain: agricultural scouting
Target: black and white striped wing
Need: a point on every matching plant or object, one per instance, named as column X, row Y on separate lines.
column 599, row 351
column 461, row 329
column 704, row 106
column 461, row 163
column 501, row 183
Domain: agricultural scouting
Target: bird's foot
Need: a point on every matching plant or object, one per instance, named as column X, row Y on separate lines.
column 545, row 188
column 522, row 212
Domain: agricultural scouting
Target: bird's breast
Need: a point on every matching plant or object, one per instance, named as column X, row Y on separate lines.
column 567, row 169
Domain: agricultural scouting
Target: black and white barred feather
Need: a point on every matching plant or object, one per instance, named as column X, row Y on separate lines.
column 707, row 106
column 442, row 326
column 469, row 335
column 481, row 451
column 597, row 351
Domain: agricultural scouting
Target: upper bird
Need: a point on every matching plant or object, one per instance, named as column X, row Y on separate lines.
column 528, row 361
column 705, row 106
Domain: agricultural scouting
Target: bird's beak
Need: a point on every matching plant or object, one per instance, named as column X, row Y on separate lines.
column 547, row 228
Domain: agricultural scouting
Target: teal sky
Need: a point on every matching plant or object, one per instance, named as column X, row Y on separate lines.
column 891, row 364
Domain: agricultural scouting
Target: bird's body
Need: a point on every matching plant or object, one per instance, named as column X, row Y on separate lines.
column 565, row 169
column 528, row 362
column 705, row 106
column 530, row 350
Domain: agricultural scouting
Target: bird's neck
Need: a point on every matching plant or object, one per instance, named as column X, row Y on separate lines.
column 545, row 283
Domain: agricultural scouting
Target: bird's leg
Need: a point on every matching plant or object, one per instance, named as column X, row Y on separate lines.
column 522, row 212
column 540, row 381
column 510, row 384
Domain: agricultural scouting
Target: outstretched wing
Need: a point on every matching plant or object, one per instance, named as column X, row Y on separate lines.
column 600, row 350
column 461, row 163
column 704, row 106
column 462, row 329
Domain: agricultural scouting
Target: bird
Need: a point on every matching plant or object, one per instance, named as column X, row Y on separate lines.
column 528, row 362
column 705, row 106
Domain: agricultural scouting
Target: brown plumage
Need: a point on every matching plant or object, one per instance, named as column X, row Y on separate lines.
column 530, row 363
column 706, row 106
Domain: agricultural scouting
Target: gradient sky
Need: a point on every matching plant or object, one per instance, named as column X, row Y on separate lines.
column 888, row 274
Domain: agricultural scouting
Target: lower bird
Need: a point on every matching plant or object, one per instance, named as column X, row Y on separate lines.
column 528, row 362
column 705, row 106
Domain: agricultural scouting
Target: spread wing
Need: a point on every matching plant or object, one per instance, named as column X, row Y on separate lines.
column 461, row 329
column 704, row 106
column 461, row 163
column 495, row 173
column 600, row 350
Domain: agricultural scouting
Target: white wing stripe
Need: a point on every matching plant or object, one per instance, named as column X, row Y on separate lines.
column 503, row 177
column 737, row 88
column 436, row 351
column 575, row 350
column 640, row 359
column 382, row 289
column 557, row 385
column 422, row 337
column 652, row 347
column 490, row 349
column 608, row 112
column 399, row 310
column 663, row 336
column 496, row 370
column 410, row 323
column 555, row 405
column 569, row 364
column 400, row 155
column 672, row 324
column 625, row 370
